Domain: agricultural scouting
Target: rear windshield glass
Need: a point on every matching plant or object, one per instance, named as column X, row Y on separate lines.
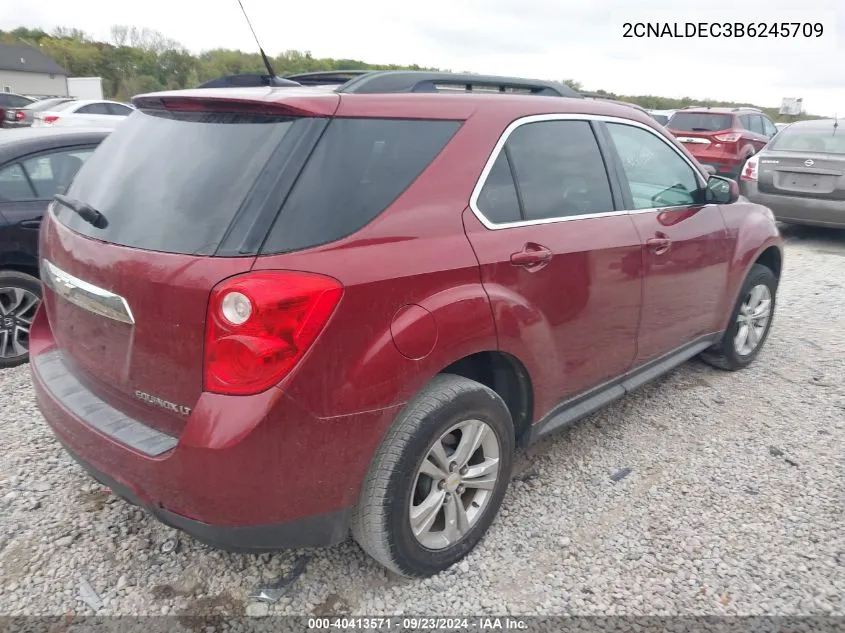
column 173, row 182
column 699, row 122
column 357, row 170
column 798, row 139
column 48, row 104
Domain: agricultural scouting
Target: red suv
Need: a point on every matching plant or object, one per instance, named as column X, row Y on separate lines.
column 722, row 137
column 275, row 315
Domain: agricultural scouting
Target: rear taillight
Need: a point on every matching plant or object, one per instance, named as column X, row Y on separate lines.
column 749, row 170
column 19, row 116
column 259, row 326
column 730, row 137
column 49, row 120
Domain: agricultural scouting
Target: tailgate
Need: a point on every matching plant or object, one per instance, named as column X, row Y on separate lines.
column 130, row 323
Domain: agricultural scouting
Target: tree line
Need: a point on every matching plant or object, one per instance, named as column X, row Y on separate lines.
column 137, row 60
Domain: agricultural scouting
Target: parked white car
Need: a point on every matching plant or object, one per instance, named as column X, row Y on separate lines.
column 84, row 112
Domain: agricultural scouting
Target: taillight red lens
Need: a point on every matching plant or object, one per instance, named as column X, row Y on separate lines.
column 19, row 116
column 731, row 137
column 260, row 325
column 749, row 171
column 50, row 119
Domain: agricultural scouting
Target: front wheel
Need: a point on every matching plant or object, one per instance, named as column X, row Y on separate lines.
column 438, row 478
column 750, row 322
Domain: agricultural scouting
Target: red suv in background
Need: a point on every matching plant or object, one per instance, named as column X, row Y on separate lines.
column 722, row 137
column 369, row 295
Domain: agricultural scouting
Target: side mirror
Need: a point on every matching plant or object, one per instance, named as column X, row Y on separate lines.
column 721, row 190
column 710, row 169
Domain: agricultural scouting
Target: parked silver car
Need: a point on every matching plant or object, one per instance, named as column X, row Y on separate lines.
column 800, row 174
column 23, row 116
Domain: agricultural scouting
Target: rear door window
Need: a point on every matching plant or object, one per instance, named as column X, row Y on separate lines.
column 50, row 173
column 559, row 169
column 757, row 124
column 94, row 108
column 700, row 121
column 359, row 167
column 498, row 200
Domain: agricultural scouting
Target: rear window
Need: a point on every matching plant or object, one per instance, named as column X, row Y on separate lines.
column 174, row 182
column 700, row 122
column 359, row 167
column 46, row 104
column 801, row 139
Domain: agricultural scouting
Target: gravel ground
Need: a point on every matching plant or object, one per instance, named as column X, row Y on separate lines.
column 733, row 504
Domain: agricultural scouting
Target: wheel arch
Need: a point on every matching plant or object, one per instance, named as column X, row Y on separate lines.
column 507, row 376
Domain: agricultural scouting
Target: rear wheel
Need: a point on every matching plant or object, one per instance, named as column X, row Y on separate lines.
column 750, row 322
column 438, row 479
column 20, row 295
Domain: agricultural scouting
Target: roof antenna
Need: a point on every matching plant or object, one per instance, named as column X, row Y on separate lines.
column 267, row 63
column 835, row 122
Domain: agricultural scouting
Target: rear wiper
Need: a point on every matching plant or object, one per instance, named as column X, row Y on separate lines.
column 700, row 129
column 83, row 210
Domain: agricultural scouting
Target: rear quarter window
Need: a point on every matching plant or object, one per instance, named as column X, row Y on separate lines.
column 359, row 167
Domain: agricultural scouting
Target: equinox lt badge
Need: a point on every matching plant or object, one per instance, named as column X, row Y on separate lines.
column 164, row 404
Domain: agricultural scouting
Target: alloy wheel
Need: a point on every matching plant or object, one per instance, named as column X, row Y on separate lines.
column 454, row 484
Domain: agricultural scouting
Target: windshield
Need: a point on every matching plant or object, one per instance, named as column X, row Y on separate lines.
column 700, row 122
column 173, row 182
column 804, row 139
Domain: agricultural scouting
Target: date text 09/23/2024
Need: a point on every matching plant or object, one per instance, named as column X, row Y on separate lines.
column 648, row 30
column 417, row 623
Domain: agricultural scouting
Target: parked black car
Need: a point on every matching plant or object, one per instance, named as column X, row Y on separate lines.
column 35, row 164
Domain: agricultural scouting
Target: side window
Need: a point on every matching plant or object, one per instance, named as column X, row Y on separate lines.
column 51, row 173
column 14, row 186
column 769, row 127
column 656, row 173
column 498, row 200
column 94, row 108
column 745, row 121
column 757, row 124
column 118, row 110
column 559, row 170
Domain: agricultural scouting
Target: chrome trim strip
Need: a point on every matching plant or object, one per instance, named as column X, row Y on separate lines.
column 476, row 192
column 85, row 295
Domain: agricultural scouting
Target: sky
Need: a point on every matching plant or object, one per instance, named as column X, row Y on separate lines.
column 546, row 39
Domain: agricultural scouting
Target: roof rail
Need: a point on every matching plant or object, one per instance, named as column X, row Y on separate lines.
column 595, row 96
column 752, row 108
column 247, row 80
column 393, row 81
column 326, row 77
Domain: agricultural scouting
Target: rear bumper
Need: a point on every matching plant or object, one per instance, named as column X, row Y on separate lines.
column 797, row 209
column 246, row 473
column 313, row 531
column 724, row 164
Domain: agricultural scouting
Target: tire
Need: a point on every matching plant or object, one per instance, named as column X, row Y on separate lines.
column 381, row 523
column 13, row 285
column 726, row 354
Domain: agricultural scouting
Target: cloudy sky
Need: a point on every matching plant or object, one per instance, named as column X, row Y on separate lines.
column 549, row 39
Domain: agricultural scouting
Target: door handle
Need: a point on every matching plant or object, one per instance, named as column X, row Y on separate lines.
column 31, row 224
column 659, row 245
column 532, row 256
